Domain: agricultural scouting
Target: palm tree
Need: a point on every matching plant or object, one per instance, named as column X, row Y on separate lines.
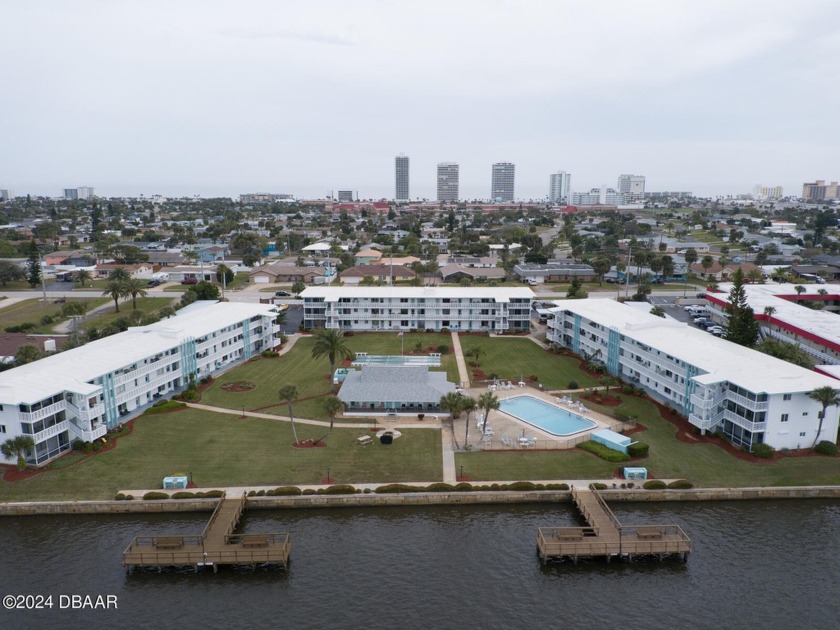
column 707, row 263
column 16, row 447
column 469, row 405
column 330, row 343
column 332, row 406
column 451, row 402
column 690, row 258
column 287, row 394
column 83, row 277
column 827, row 396
column 769, row 310
column 487, row 401
column 799, row 289
column 114, row 290
column 134, row 287
column 120, row 275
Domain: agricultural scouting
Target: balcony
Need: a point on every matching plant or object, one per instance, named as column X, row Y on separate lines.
column 98, row 431
column 742, row 422
column 700, row 402
column 747, row 403
column 51, row 431
column 44, row 412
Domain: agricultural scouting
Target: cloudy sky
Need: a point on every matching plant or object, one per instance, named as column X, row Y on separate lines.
column 215, row 97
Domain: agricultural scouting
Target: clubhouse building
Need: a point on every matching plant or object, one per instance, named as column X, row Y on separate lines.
column 491, row 309
column 82, row 393
column 751, row 397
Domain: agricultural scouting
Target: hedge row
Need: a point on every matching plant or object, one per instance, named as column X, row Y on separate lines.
column 156, row 495
column 603, row 452
column 163, row 406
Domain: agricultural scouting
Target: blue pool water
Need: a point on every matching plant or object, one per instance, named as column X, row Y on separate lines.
column 545, row 416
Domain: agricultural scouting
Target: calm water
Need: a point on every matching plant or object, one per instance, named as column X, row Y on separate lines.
column 755, row 565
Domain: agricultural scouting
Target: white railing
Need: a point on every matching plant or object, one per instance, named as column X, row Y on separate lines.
column 95, row 433
column 44, row 412
column 747, row 403
column 706, row 403
column 743, row 422
column 803, row 344
column 49, row 432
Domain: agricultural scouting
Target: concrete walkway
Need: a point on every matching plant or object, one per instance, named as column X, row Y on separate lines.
column 446, row 443
column 463, row 372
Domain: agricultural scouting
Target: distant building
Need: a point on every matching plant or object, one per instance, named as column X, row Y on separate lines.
column 820, row 191
column 447, row 181
column 559, row 185
column 82, row 192
column 768, row 193
column 6, row 194
column 602, row 196
column 632, row 187
column 264, row 198
column 347, row 195
column 401, row 174
column 71, row 194
column 503, row 181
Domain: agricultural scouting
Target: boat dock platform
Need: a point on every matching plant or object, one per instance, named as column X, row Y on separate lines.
column 604, row 536
column 217, row 545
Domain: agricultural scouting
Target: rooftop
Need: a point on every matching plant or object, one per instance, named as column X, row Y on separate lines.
column 374, row 383
column 499, row 294
column 721, row 360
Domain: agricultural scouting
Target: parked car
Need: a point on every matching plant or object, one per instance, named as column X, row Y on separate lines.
column 189, row 281
column 283, row 294
column 153, row 283
column 699, row 321
column 715, row 329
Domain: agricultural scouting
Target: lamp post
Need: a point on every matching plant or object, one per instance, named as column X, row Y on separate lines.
column 328, row 476
column 461, row 476
column 43, row 285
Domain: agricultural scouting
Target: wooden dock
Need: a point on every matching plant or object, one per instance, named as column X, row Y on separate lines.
column 217, row 545
column 604, row 536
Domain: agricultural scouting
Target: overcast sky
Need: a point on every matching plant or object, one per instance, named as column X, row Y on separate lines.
column 219, row 98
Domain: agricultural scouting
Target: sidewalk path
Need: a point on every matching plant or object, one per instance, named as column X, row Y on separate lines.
column 446, row 442
column 463, row 373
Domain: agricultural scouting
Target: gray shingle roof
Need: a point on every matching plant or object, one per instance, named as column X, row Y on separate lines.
column 381, row 383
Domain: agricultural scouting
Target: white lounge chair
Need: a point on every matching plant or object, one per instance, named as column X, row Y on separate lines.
column 489, row 431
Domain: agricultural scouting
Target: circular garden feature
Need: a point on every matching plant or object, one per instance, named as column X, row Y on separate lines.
column 238, row 386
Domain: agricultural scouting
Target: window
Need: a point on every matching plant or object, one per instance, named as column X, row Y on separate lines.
column 786, row 397
column 2, row 428
column 784, row 417
column 802, row 434
column 804, row 413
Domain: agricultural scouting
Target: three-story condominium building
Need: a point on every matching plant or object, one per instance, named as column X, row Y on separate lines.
column 750, row 397
column 82, row 393
column 422, row 308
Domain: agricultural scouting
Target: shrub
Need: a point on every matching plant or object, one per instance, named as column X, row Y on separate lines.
column 639, row 449
column 78, row 445
column 162, row 406
column 654, row 484
column 598, row 486
column 338, row 489
column 826, row 448
column 270, row 354
column 627, row 389
column 764, row 451
column 573, row 385
column 444, row 330
column 367, row 490
column 464, row 487
column 603, row 452
column 393, row 488
column 680, row 484
column 190, row 395
column 443, row 348
column 521, row 486
column 120, row 497
column 155, row 496
column 184, row 495
column 214, row 494
column 440, row 487
column 252, row 493
column 309, row 491
column 556, row 486
column 46, row 320
column 286, row 491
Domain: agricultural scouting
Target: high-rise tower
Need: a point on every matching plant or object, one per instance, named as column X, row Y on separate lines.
column 559, row 186
column 401, row 164
column 447, row 181
column 502, row 184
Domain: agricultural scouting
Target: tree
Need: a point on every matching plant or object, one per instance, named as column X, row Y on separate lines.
column 223, row 272
column 287, row 394
column 330, row 343
column 487, row 401
column 452, row 402
column 707, row 262
column 10, row 272
column 576, row 290
column 119, row 274
column 27, row 354
column 690, row 258
column 134, row 287
column 115, row 290
column 769, row 310
column 786, row 352
column 83, row 277
column 469, row 405
column 332, row 406
column 298, row 286
column 33, row 275
column 206, row 290
column 658, row 311
column 16, row 447
column 743, row 328
column 827, row 396
column 73, row 307
column 799, row 289
column 601, row 266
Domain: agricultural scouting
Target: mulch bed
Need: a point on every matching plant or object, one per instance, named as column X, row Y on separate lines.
column 238, row 386
column 12, row 473
column 603, row 400
column 309, row 444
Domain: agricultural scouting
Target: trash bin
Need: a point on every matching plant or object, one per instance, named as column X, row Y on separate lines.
column 386, row 438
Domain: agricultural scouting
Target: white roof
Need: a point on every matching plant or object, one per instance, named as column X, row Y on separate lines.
column 499, row 294
column 70, row 370
column 823, row 324
column 721, row 360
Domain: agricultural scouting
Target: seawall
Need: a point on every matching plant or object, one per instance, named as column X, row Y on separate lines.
column 414, row 499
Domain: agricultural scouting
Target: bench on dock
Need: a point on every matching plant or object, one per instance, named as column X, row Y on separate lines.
column 649, row 533
column 569, row 536
column 255, row 540
column 168, row 542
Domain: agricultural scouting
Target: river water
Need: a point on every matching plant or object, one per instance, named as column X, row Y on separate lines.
column 771, row 564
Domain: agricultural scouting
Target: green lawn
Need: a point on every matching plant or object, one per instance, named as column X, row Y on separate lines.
column 34, row 309
column 309, row 375
column 240, row 281
column 144, row 305
column 511, row 357
column 703, row 464
column 222, row 450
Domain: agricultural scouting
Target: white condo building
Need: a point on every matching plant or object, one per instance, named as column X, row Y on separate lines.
column 750, row 397
column 503, row 181
column 494, row 309
column 632, row 187
column 447, row 181
column 82, row 393
column 401, row 165
column 559, row 187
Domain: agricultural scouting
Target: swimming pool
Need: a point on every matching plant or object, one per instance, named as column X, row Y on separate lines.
column 545, row 416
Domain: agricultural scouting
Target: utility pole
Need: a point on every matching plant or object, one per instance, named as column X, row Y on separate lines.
column 43, row 283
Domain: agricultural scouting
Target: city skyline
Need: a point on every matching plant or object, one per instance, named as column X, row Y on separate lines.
column 714, row 98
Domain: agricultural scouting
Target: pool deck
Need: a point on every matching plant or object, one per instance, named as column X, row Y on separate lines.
column 504, row 424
